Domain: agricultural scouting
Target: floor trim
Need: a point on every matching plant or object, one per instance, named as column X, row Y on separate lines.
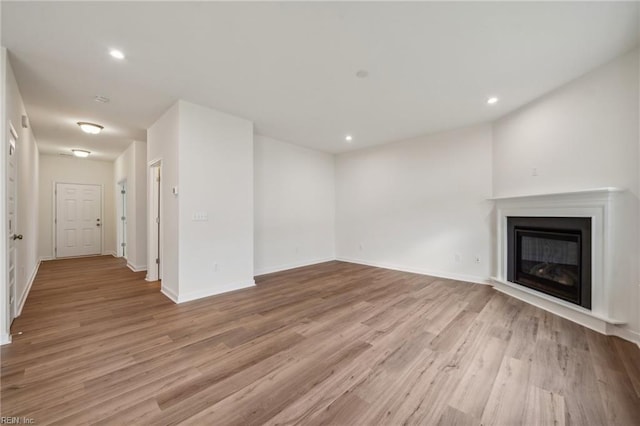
column 25, row 294
column 285, row 267
column 225, row 288
column 170, row 294
column 5, row 339
column 437, row 274
column 624, row 333
column 135, row 268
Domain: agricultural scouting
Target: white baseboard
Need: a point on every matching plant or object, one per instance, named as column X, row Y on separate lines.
column 25, row 294
column 219, row 289
column 437, row 274
column 293, row 265
column 170, row 294
column 135, row 268
column 625, row 333
column 5, row 339
column 46, row 258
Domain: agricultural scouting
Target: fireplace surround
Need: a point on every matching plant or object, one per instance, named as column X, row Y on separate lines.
column 607, row 214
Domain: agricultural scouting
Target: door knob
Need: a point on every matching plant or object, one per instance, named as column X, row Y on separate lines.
column 17, row 237
column 97, row 224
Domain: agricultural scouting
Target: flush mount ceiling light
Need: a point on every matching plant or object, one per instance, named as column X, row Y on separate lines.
column 116, row 54
column 90, row 128
column 101, row 99
column 348, row 138
column 492, row 100
column 81, row 153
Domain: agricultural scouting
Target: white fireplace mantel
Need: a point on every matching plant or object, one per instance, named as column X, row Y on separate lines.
column 605, row 207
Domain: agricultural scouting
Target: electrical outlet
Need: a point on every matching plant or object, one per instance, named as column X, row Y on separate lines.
column 200, row 217
column 477, row 259
column 534, row 171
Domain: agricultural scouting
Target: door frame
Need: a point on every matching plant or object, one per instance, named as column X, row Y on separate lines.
column 155, row 236
column 54, row 225
column 121, row 225
column 5, row 138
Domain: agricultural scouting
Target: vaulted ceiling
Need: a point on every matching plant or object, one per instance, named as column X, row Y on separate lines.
column 291, row 67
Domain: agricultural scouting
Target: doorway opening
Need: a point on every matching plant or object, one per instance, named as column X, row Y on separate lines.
column 154, row 269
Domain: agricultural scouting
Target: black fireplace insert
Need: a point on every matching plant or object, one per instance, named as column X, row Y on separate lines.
column 551, row 255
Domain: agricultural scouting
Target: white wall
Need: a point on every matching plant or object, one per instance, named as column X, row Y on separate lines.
column 216, row 178
column 4, row 238
column 419, row 205
column 63, row 169
column 294, row 205
column 580, row 136
column 141, row 205
column 162, row 144
column 130, row 166
column 208, row 156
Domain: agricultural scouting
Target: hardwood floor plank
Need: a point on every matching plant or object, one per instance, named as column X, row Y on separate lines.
column 453, row 417
column 274, row 392
column 470, row 396
column 625, row 352
column 544, row 408
column 506, row 403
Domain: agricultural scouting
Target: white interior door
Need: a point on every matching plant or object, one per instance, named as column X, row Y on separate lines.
column 12, row 204
column 154, row 270
column 78, row 220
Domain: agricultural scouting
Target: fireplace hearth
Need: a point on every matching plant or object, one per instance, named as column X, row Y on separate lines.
column 551, row 255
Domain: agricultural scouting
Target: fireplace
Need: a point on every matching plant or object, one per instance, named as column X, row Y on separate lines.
column 551, row 255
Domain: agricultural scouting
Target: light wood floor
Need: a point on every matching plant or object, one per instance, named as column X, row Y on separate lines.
column 332, row 343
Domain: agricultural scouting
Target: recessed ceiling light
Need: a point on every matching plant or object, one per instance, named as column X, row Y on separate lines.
column 90, row 128
column 116, row 53
column 348, row 138
column 492, row 100
column 80, row 153
column 102, row 99
column 362, row 74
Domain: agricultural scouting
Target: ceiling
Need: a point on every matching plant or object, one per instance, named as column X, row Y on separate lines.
column 291, row 67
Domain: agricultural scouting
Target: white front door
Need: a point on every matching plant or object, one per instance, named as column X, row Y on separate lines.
column 78, row 220
column 12, row 204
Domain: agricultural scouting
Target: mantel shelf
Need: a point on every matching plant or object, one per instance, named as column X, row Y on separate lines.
column 594, row 191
